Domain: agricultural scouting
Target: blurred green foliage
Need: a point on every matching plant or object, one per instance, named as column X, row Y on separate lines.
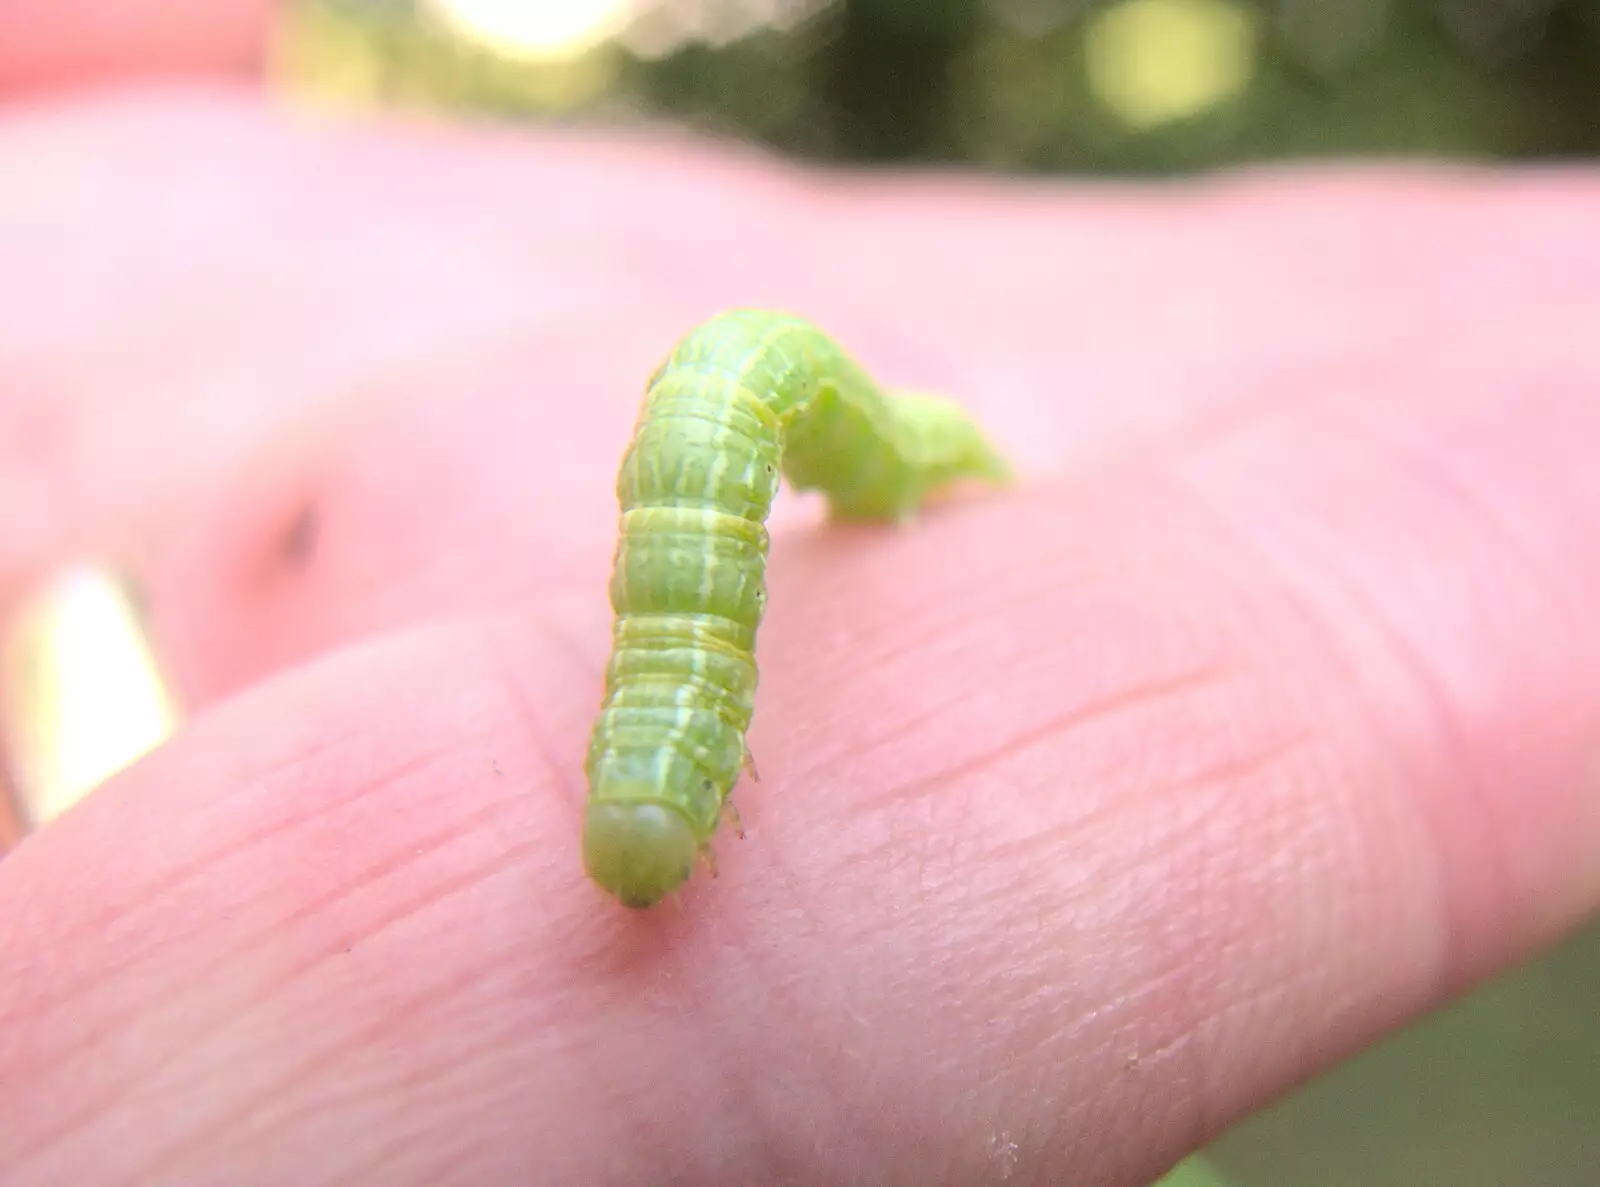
column 1194, row 1172
column 1025, row 85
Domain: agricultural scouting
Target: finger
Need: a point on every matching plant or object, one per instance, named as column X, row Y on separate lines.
column 1184, row 782
column 54, row 44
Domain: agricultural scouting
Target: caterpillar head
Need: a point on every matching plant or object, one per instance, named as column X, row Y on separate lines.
column 639, row 851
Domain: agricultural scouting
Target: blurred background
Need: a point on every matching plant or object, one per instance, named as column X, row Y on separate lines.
column 1504, row 1089
column 1017, row 85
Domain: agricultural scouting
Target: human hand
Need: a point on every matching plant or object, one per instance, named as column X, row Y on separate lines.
column 1260, row 719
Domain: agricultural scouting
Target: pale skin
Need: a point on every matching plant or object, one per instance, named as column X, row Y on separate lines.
column 1263, row 717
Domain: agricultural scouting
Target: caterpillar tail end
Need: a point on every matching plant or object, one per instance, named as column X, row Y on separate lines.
column 988, row 466
column 638, row 852
column 946, row 442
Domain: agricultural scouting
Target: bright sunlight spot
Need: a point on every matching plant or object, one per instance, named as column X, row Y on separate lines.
column 82, row 689
column 1156, row 61
column 534, row 28
column 660, row 29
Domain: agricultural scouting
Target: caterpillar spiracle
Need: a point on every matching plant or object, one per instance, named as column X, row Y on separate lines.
column 741, row 397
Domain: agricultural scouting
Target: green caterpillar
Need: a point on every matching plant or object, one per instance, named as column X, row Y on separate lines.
column 741, row 396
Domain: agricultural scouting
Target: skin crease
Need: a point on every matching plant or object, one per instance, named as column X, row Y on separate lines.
column 1261, row 718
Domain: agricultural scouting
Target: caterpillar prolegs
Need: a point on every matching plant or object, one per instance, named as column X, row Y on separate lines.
column 742, row 397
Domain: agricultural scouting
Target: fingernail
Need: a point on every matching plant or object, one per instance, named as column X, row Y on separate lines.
column 81, row 693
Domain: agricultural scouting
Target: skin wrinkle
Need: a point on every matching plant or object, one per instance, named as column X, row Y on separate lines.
column 1166, row 975
column 473, row 977
column 1160, row 1022
column 65, row 992
column 830, row 1066
column 113, row 1093
column 446, row 1170
column 1178, row 961
column 1334, row 658
column 205, row 1131
column 1221, row 774
column 1115, row 703
column 929, row 615
column 749, row 979
column 427, row 1090
column 559, row 775
column 1091, row 1157
column 396, row 1018
column 750, row 960
column 957, row 643
column 1435, row 472
column 447, row 1166
column 1442, row 469
column 1451, row 749
column 1270, row 1001
column 200, row 871
column 1230, row 931
column 1293, row 580
column 949, row 639
column 1527, row 587
column 1117, row 672
column 1331, row 925
column 900, row 730
column 1433, row 468
column 991, row 850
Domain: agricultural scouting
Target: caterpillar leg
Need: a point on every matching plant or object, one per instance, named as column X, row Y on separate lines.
column 709, row 857
column 750, row 766
column 730, row 814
